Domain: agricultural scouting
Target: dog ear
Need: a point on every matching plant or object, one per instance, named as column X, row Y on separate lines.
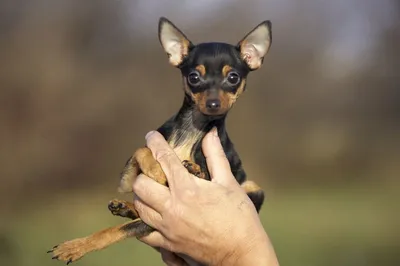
column 255, row 45
column 174, row 42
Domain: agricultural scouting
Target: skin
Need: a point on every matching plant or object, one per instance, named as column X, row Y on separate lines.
column 213, row 223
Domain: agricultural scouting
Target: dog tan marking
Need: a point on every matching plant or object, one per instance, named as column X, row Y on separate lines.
column 201, row 69
column 228, row 99
column 128, row 175
column 183, row 145
column 75, row 249
column 226, row 69
column 199, row 98
column 194, row 169
column 149, row 166
column 142, row 161
column 250, row 186
column 184, row 151
column 241, row 88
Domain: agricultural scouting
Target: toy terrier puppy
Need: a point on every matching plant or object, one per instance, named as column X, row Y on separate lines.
column 214, row 76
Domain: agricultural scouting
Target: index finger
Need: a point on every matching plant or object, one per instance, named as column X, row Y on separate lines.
column 150, row 192
column 169, row 161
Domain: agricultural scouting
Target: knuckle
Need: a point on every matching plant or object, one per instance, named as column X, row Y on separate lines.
column 138, row 183
column 138, row 205
column 189, row 194
column 163, row 154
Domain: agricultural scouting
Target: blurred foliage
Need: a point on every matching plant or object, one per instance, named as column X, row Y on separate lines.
column 81, row 82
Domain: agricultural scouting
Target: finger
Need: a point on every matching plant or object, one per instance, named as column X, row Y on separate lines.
column 147, row 214
column 150, row 192
column 180, row 260
column 169, row 161
column 156, row 239
column 217, row 163
column 171, row 259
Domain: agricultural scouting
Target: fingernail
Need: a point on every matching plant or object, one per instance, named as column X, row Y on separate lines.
column 149, row 134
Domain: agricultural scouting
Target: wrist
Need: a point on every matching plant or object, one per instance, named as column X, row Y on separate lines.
column 259, row 252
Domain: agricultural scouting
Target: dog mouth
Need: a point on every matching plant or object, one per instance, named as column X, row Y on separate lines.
column 213, row 113
column 214, row 116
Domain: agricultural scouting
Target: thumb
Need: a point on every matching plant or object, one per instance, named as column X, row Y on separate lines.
column 217, row 163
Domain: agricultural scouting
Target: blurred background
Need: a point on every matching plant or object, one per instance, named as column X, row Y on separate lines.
column 318, row 127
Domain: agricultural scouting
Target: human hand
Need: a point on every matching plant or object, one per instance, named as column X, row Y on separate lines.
column 214, row 223
column 172, row 259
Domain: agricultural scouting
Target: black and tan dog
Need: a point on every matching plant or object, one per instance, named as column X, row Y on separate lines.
column 214, row 75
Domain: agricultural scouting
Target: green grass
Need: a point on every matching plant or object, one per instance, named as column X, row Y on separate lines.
column 307, row 227
column 333, row 227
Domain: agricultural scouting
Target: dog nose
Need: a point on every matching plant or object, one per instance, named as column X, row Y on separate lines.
column 213, row 104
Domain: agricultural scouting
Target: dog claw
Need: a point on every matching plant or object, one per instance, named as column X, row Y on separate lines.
column 51, row 250
column 71, row 251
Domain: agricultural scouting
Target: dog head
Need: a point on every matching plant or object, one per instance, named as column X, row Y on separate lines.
column 214, row 74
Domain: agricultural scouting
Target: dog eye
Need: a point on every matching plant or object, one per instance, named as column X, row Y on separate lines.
column 194, row 78
column 233, row 78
